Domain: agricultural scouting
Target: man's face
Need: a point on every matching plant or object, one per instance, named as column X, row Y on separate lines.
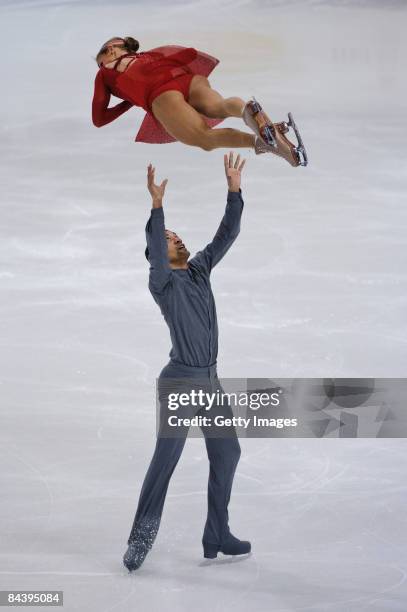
column 177, row 252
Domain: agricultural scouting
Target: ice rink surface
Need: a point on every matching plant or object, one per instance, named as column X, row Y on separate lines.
column 314, row 286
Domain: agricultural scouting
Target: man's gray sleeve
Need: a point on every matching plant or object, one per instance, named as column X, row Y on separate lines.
column 160, row 270
column 226, row 234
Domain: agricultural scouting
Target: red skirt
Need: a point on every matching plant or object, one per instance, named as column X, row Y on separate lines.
column 151, row 130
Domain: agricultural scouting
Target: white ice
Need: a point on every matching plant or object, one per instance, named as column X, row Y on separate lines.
column 314, row 286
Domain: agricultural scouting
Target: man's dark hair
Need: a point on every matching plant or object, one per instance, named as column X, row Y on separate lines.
column 147, row 253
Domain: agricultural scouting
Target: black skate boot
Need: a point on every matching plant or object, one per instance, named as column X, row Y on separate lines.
column 135, row 555
column 231, row 546
column 140, row 542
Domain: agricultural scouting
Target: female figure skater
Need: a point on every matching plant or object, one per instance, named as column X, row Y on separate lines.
column 171, row 84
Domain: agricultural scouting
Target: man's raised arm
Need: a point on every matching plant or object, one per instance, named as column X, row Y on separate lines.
column 157, row 250
column 229, row 227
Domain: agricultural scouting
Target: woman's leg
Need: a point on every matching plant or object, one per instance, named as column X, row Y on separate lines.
column 209, row 102
column 186, row 124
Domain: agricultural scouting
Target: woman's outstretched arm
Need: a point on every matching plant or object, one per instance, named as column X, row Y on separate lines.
column 101, row 114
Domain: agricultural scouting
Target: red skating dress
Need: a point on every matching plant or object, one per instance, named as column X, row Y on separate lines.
column 148, row 75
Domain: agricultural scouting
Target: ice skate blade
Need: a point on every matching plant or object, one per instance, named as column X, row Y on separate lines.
column 300, row 149
column 302, row 157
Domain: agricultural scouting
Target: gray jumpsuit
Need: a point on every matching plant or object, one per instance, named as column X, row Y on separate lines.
column 187, row 304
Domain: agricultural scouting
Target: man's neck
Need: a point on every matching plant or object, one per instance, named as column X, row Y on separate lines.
column 179, row 266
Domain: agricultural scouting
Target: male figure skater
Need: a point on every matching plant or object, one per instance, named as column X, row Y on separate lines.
column 181, row 288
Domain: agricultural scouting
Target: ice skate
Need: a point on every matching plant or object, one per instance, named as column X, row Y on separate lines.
column 273, row 135
column 135, row 554
column 140, row 542
column 231, row 546
column 256, row 122
column 261, row 147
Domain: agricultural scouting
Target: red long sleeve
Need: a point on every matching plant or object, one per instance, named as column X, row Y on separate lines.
column 101, row 114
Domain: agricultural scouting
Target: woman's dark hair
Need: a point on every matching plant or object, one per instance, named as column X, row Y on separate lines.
column 147, row 253
column 131, row 45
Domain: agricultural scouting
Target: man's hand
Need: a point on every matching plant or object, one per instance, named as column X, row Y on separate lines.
column 156, row 191
column 233, row 171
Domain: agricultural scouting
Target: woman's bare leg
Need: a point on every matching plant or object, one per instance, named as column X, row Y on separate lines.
column 210, row 103
column 186, row 124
